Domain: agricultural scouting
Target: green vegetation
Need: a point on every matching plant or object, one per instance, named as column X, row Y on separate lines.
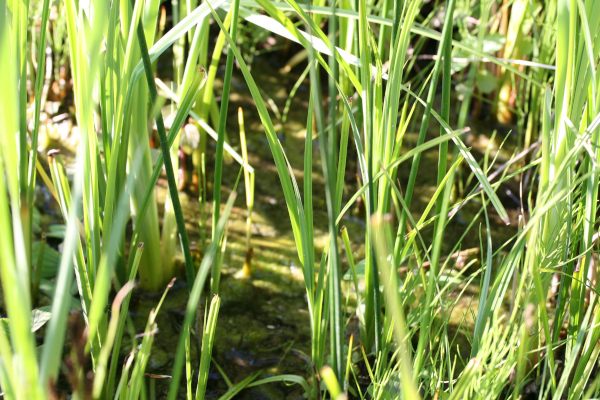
column 426, row 127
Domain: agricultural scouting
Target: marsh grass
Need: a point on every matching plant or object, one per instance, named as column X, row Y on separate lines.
column 367, row 90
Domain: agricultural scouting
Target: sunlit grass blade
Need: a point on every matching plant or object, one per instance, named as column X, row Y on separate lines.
column 383, row 246
column 216, row 272
column 208, row 337
column 55, row 332
column 110, row 383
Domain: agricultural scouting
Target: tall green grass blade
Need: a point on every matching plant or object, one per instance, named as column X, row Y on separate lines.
column 112, row 372
column 39, row 84
column 372, row 298
column 112, row 332
column 68, row 205
column 195, row 294
column 482, row 318
column 55, row 331
column 383, row 246
column 208, row 337
column 216, row 271
column 21, row 378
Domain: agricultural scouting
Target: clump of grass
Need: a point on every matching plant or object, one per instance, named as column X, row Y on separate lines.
column 550, row 224
column 372, row 94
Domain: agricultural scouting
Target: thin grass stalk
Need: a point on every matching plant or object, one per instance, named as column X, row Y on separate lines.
column 188, row 365
column 320, row 310
column 37, row 277
column 20, row 11
column 238, row 387
column 20, row 379
column 586, row 53
column 350, row 257
column 315, row 303
column 114, row 361
column 169, row 229
column 309, row 271
column 342, row 157
column 446, row 88
column 179, row 45
column 383, row 246
column 55, row 331
column 443, row 203
column 136, row 383
column 109, row 78
column 372, row 298
column 347, row 40
column 384, row 30
column 482, row 318
column 216, row 270
column 39, row 84
column 201, row 57
column 348, row 365
column 208, row 98
column 195, row 297
column 67, row 203
column 328, row 162
column 121, row 300
column 208, row 337
column 389, row 147
column 444, row 48
column 248, row 179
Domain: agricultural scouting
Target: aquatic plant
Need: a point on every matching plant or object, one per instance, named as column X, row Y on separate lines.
column 373, row 79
